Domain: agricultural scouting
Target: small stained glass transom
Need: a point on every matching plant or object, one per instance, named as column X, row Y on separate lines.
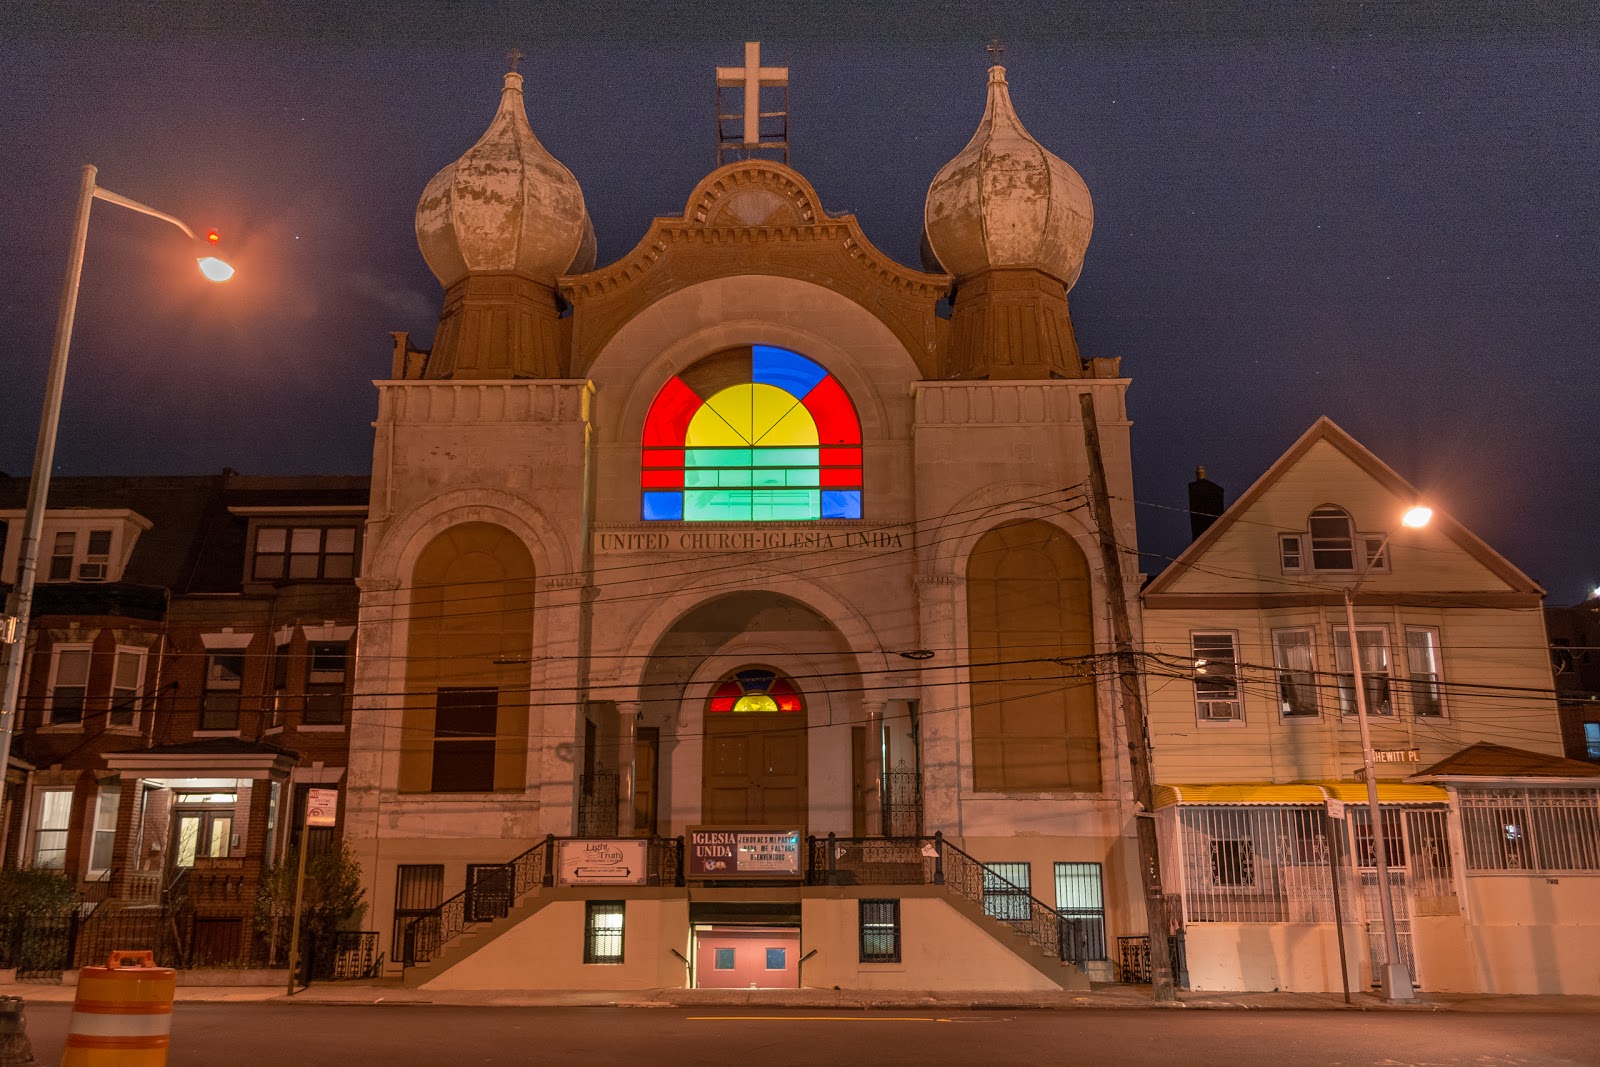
column 753, row 434
column 755, row 691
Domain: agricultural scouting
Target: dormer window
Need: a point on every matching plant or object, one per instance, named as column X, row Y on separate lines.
column 77, row 544
column 92, row 565
column 304, row 553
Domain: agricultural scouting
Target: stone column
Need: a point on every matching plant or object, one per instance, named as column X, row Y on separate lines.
column 873, row 707
column 125, row 849
column 942, row 706
column 627, row 726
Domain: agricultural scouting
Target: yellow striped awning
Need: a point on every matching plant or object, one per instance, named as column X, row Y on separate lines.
column 1295, row 793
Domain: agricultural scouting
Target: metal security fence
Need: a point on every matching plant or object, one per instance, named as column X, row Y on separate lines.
column 1272, row 863
column 1530, row 830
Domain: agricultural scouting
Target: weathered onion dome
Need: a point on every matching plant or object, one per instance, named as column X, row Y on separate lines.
column 1006, row 202
column 507, row 205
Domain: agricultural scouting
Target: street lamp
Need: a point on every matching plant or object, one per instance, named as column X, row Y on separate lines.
column 1395, row 978
column 21, row 601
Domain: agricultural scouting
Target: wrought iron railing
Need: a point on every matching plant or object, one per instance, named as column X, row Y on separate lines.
column 597, row 804
column 1133, row 960
column 834, row 860
column 902, row 801
column 426, row 934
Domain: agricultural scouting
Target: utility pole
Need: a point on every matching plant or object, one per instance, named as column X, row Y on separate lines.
column 1133, row 722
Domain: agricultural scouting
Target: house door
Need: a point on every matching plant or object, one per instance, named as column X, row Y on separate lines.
column 200, row 834
column 755, row 751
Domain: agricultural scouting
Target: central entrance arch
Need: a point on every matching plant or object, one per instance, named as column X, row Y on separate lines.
column 755, row 764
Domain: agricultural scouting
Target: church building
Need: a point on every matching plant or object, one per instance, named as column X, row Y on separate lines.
column 731, row 612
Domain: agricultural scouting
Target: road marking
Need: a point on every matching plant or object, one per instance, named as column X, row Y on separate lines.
column 813, row 1019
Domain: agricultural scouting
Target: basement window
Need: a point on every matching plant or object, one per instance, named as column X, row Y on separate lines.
column 602, row 931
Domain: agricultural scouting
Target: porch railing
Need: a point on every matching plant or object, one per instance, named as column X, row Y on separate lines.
column 487, row 898
column 932, row 860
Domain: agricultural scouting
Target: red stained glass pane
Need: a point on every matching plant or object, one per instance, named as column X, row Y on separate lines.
column 667, row 479
column 721, row 704
column 841, row 457
column 663, row 457
column 669, row 416
column 840, row 477
column 836, row 416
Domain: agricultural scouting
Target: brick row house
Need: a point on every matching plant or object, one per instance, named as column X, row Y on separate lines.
column 186, row 682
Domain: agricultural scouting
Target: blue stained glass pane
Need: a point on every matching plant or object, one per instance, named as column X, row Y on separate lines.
column 786, row 370
column 841, row 504
column 663, row 505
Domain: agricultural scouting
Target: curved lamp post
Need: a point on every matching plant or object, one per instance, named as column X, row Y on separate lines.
column 21, row 601
column 1395, row 978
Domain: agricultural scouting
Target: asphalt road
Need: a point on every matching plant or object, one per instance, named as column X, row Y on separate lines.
column 279, row 1035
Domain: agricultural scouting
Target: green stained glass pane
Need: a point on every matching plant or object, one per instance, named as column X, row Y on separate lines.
column 719, row 457
column 716, row 505
column 785, row 457
column 775, row 476
column 802, row 477
column 785, row 504
column 700, row 478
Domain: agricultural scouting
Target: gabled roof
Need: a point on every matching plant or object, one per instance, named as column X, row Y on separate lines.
column 1485, row 760
column 1325, row 429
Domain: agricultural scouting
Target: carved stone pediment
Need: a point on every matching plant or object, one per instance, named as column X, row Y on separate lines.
column 755, row 217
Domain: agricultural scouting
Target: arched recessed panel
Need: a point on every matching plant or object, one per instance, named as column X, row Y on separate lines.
column 1035, row 724
column 755, row 755
column 755, row 434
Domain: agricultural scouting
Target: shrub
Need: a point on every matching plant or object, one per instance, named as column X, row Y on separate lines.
column 332, row 900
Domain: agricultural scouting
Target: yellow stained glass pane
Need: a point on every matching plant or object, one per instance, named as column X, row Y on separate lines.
column 719, row 423
column 793, row 427
column 755, row 702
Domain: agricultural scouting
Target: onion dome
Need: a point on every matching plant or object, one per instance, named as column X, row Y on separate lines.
column 1006, row 202
column 507, row 205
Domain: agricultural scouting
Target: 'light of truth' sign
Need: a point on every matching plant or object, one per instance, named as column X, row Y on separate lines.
column 611, row 862
column 322, row 805
column 743, row 852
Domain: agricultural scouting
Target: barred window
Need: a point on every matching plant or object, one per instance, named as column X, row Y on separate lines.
column 1533, row 830
column 1007, row 890
column 602, row 931
column 880, row 931
column 1080, row 900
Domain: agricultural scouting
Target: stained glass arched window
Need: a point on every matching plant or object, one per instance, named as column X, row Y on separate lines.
column 757, row 690
column 752, row 434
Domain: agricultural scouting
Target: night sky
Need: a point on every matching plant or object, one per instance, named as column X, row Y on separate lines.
column 1388, row 214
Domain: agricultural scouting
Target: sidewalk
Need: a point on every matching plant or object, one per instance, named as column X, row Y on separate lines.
column 1105, row 997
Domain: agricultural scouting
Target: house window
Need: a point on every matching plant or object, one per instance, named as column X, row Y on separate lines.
column 280, row 684
column 50, row 837
column 126, row 680
column 1007, row 891
column 880, row 931
column 1374, row 644
column 1332, row 540
column 1289, row 551
column 1080, row 900
column 105, row 828
column 219, row 704
column 1295, row 660
column 1216, row 678
column 69, row 682
column 602, row 931
column 1591, row 740
column 327, row 664
column 1233, row 863
column 61, row 556
column 1422, row 666
column 463, row 740
column 304, row 553
column 723, row 960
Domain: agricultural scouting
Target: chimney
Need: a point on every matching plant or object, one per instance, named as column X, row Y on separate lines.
column 1205, row 503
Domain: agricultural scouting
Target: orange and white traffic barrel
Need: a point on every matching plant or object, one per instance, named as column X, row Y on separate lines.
column 122, row 1014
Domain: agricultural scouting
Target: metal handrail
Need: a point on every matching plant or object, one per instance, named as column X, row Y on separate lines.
column 910, row 861
column 430, row 931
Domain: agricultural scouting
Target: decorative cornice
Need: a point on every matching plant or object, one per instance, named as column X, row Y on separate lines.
column 469, row 402
column 1011, row 403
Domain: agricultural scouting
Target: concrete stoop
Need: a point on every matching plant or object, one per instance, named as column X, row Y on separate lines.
column 1066, row 975
column 472, row 939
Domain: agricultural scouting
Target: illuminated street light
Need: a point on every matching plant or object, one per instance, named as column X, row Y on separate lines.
column 1395, row 976
column 14, row 624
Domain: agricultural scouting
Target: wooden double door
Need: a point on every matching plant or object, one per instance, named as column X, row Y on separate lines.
column 755, row 769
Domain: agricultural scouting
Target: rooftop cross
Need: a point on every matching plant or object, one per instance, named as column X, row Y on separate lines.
column 752, row 76
column 997, row 50
column 514, row 57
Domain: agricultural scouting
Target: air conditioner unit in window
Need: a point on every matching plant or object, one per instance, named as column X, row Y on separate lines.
column 91, row 572
column 1219, row 709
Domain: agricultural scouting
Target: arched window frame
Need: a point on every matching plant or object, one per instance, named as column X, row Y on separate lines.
column 799, row 460
column 1319, row 550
